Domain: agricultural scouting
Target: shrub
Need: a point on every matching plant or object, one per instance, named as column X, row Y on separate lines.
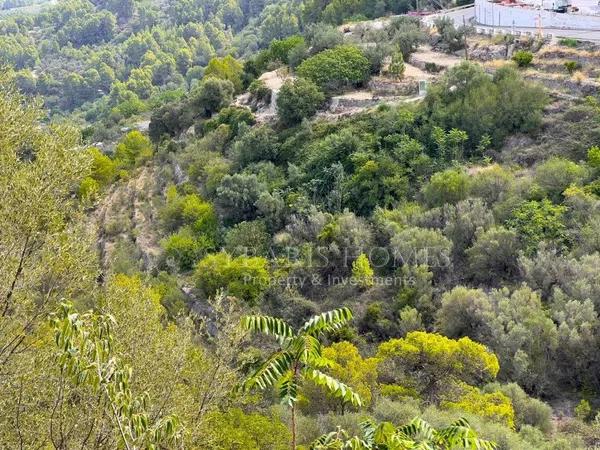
column 233, row 116
column 257, row 144
column 243, row 277
column 583, row 410
column 449, row 186
column 407, row 34
column 189, row 210
column 298, row 100
column 494, row 256
column 493, row 405
column 523, row 58
column 88, row 189
column 529, row 411
column 250, row 238
column 211, row 94
column 226, row 68
column 170, row 120
column 593, row 157
column 397, row 66
column 568, row 42
column 280, row 49
column 433, row 364
column 362, row 271
column 387, row 410
column 104, row 169
column 252, row 431
column 539, row 221
column 467, row 99
column 336, row 68
column 323, row 36
column 238, row 194
column 572, row 66
column 557, row 174
column 452, row 38
column 260, row 91
column 432, row 67
column 133, row 150
column 184, row 248
column 418, row 246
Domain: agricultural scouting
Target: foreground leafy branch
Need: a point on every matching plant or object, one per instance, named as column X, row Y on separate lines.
column 86, row 357
column 417, row 435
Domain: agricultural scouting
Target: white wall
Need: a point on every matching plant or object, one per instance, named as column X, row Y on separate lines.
column 493, row 14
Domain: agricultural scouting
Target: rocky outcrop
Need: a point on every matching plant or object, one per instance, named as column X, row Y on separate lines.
column 489, row 53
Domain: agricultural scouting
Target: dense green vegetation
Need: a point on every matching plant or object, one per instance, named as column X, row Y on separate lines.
column 194, row 259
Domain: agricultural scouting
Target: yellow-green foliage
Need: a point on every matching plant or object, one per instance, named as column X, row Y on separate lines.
column 200, row 215
column 348, row 366
column 432, row 364
column 133, row 150
column 46, row 255
column 104, row 172
column 189, row 210
column 494, row 406
column 104, row 169
column 227, row 68
column 243, row 277
column 362, row 271
column 253, row 431
column 184, row 248
column 88, row 189
column 196, row 224
column 593, row 157
column 583, row 410
column 397, row 392
column 177, row 374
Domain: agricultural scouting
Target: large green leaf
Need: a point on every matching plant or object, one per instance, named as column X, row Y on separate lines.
column 288, row 389
column 417, row 428
column 307, row 349
column 338, row 440
column 268, row 325
column 270, row 371
column 328, row 321
column 335, row 387
column 460, row 434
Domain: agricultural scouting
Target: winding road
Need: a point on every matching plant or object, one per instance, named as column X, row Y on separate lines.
column 465, row 15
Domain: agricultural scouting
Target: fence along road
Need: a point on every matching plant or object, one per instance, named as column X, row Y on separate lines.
column 466, row 15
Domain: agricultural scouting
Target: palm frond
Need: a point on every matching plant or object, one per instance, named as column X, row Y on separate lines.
column 288, row 389
column 338, row 440
column 423, row 446
column 368, row 428
column 307, row 349
column 460, row 434
column 335, row 387
column 417, row 428
column 328, row 321
column 270, row 371
column 325, row 441
column 271, row 326
column 384, row 433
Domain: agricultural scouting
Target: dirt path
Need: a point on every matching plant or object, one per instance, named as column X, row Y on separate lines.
column 426, row 55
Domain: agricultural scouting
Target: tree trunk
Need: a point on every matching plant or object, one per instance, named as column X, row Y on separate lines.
column 293, row 426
